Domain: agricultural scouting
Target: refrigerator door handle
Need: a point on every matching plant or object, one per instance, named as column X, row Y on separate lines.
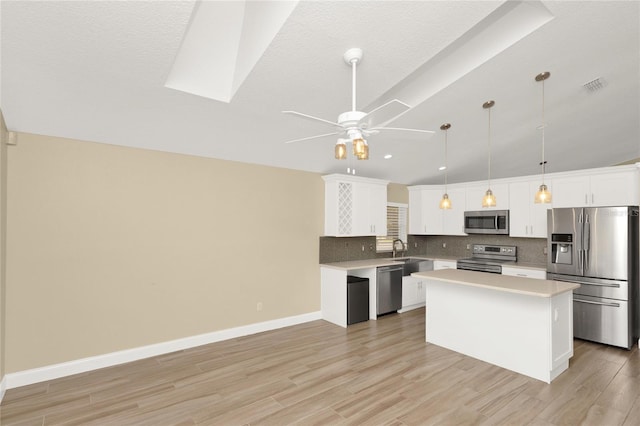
column 613, row 305
column 586, row 241
column 587, row 283
column 579, row 247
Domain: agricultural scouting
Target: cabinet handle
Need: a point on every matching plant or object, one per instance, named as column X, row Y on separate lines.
column 585, row 199
column 531, row 229
column 593, row 199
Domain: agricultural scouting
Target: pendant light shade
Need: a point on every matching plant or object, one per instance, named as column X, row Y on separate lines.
column 543, row 195
column 489, row 200
column 445, row 203
column 341, row 150
column 358, row 146
column 364, row 154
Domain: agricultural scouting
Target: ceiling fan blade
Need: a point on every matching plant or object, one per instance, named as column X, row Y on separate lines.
column 311, row 117
column 403, row 134
column 384, row 113
column 313, row 137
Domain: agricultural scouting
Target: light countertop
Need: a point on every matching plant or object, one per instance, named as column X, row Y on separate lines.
column 374, row 263
column 511, row 284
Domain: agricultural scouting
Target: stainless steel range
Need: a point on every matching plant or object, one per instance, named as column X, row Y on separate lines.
column 488, row 258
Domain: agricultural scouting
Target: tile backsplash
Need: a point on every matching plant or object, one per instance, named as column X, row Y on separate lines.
column 339, row 249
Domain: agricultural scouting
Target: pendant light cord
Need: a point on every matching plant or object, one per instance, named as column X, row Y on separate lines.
column 489, row 161
column 446, row 162
column 543, row 126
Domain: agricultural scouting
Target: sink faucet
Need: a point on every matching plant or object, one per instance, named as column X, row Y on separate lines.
column 403, row 247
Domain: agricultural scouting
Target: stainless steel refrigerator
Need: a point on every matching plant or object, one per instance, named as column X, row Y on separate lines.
column 598, row 249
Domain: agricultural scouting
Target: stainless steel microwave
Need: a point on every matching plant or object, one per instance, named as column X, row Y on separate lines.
column 487, row 222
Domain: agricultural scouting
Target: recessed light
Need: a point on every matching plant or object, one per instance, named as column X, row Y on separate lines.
column 386, row 157
column 442, row 168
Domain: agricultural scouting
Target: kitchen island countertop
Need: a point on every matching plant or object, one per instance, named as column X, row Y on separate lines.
column 506, row 283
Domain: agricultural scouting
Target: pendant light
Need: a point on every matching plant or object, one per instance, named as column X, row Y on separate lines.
column 445, row 203
column 489, row 200
column 543, row 195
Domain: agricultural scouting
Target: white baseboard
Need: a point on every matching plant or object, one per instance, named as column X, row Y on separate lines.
column 3, row 387
column 411, row 308
column 27, row 377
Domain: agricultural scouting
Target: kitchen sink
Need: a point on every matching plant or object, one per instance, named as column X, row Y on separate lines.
column 413, row 264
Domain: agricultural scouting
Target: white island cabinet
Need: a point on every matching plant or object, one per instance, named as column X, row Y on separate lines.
column 521, row 324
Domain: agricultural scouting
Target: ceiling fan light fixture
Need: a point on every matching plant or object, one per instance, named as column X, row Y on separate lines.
column 341, row 150
column 358, row 146
column 364, row 155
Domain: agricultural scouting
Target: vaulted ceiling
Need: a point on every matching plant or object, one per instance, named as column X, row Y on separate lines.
column 212, row 79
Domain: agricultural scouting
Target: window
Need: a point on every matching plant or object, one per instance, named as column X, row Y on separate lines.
column 396, row 227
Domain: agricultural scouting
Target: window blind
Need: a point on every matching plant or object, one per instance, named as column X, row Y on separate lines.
column 396, row 228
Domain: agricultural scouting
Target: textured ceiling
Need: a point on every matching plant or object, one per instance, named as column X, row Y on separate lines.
column 99, row 71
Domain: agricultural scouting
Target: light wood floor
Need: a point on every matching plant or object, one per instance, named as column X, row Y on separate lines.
column 377, row 372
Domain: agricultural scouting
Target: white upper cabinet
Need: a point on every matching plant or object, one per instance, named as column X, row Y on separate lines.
column 526, row 218
column 427, row 218
column 475, row 193
column 610, row 188
column 453, row 218
column 355, row 206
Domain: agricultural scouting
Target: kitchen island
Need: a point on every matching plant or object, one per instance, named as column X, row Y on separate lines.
column 521, row 324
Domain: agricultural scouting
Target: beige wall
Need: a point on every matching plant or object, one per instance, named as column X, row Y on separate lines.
column 4, row 134
column 397, row 193
column 110, row 248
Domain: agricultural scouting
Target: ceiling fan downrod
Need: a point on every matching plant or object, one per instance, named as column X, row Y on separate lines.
column 352, row 57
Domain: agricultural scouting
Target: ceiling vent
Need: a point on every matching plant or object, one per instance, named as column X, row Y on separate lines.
column 595, row 84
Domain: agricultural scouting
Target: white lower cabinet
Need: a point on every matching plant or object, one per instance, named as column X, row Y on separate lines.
column 413, row 293
column 444, row 264
column 539, row 274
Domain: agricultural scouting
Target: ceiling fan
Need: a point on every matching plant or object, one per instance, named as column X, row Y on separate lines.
column 357, row 125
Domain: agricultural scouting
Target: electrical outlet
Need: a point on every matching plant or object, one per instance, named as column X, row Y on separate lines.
column 468, row 246
column 544, row 250
column 415, row 245
column 444, row 245
column 259, row 306
column 363, row 247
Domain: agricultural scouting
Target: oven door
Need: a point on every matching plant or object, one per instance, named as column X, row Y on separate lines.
column 479, row 267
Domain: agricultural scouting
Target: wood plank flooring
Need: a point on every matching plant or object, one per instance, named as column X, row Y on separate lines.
column 378, row 373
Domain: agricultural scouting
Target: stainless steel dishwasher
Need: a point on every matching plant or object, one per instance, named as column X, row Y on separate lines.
column 389, row 289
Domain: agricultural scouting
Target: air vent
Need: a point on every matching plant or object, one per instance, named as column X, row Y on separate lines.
column 595, row 84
